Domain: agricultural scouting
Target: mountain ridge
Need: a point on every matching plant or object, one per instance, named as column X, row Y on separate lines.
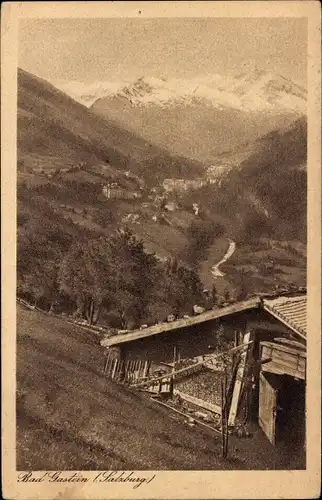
column 248, row 91
column 53, row 126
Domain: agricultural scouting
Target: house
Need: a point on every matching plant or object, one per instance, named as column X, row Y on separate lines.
column 113, row 191
column 267, row 336
column 170, row 206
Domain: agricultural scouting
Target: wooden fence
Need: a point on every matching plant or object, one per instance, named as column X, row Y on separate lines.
column 126, row 371
column 131, row 372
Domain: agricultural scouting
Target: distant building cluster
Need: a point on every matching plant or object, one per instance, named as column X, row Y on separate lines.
column 217, row 172
column 181, row 185
column 113, row 191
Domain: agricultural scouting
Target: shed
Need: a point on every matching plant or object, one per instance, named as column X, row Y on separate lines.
column 268, row 385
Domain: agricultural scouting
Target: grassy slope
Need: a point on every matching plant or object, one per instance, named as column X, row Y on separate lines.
column 69, row 417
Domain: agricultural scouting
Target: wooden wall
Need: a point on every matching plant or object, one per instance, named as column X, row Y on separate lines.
column 285, row 360
column 190, row 342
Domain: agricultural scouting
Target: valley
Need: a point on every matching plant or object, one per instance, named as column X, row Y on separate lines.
column 198, row 118
column 88, row 175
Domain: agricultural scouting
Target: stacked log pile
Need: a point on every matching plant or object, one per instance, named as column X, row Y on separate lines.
column 205, row 385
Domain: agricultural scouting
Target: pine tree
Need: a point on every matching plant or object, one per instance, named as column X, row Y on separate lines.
column 214, row 295
column 242, row 292
column 226, row 295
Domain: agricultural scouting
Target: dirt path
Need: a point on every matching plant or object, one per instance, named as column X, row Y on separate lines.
column 215, row 271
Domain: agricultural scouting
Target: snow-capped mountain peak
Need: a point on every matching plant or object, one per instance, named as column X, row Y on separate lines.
column 254, row 90
column 87, row 94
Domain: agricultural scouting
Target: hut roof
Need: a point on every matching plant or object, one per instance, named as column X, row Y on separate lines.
column 290, row 310
column 184, row 322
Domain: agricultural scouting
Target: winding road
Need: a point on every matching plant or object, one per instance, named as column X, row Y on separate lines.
column 215, row 271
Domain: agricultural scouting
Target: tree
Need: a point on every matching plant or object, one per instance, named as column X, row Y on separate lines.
column 255, row 225
column 83, row 273
column 214, row 294
column 30, row 286
column 180, row 287
column 22, row 218
column 40, row 283
column 201, row 235
column 171, row 266
column 133, row 273
column 242, row 289
column 110, row 272
column 103, row 217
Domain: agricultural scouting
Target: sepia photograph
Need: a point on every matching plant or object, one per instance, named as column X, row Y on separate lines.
column 161, row 279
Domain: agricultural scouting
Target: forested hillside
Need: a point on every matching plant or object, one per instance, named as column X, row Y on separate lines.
column 266, row 195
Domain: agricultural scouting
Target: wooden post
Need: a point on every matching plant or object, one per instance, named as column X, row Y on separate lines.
column 142, row 368
column 130, row 371
column 224, row 417
column 226, row 414
column 235, row 345
column 173, row 370
column 239, row 380
column 114, row 368
column 105, row 363
column 174, row 358
column 110, row 368
column 136, row 369
column 146, row 369
column 222, row 421
column 126, row 374
column 107, row 368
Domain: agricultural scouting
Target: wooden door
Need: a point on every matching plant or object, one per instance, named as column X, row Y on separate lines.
column 267, row 407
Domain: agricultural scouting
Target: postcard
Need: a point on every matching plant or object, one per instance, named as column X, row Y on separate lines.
column 161, row 289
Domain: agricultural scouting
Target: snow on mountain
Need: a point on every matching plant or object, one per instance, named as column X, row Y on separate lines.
column 255, row 90
column 87, row 94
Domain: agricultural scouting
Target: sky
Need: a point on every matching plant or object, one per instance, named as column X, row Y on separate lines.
column 88, row 50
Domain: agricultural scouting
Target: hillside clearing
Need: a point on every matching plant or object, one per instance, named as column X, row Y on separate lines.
column 70, row 417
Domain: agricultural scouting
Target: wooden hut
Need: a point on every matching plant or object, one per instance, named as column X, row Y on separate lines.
column 267, row 384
